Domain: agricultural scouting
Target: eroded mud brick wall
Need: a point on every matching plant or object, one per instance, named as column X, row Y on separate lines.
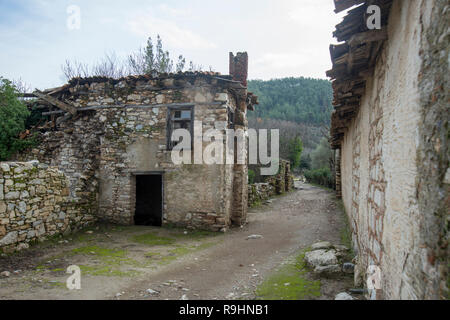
column 35, row 204
column 394, row 157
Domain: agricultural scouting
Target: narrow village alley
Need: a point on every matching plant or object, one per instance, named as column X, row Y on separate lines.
column 262, row 260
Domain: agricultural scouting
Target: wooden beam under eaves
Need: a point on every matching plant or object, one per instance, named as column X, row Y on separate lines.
column 341, row 5
column 55, row 102
column 368, row 36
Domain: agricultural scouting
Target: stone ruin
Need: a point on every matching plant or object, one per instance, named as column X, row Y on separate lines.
column 105, row 155
column 278, row 184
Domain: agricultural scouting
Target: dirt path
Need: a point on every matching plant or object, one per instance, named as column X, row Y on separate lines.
column 122, row 263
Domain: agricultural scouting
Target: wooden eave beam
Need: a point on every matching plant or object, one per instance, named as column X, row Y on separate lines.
column 341, row 5
column 367, row 37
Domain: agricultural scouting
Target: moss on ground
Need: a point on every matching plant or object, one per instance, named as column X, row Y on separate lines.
column 101, row 259
column 102, row 270
column 152, row 254
column 111, row 261
column 290, row 282
column 180, row 251
column 101, row 252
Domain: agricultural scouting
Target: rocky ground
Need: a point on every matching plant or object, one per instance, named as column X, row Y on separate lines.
column 275, row 256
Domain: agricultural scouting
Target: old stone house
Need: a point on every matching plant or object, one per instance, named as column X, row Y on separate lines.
column 390, row 133
column 110, row 140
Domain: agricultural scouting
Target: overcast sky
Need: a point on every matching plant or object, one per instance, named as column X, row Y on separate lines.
column 282, row 37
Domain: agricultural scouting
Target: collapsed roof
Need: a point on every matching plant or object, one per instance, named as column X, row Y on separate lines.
column 55, row 101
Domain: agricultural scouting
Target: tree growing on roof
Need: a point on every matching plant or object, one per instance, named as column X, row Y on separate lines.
column 151, row 59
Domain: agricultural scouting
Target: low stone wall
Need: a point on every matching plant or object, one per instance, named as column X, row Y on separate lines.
column 284, row 180
column 277, row 184
column 35, row 204
column 259, row 192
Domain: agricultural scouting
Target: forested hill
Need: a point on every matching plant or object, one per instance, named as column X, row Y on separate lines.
column 302, row 100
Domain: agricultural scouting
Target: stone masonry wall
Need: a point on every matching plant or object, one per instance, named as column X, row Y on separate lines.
column 283, row 181
column 259, row 192
column 102, row 151
column 277, row 184
column 35, row 204
column 74, row 150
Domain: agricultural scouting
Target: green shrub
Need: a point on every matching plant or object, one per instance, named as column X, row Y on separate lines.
column 251, row 176
column 13, row 115
column 295, row 151
column 321, row 177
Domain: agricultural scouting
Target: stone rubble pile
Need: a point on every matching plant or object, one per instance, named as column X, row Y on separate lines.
column 277, row 184
column 324, row 258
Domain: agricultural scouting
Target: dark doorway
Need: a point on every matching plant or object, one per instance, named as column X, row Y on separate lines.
column 149, row 200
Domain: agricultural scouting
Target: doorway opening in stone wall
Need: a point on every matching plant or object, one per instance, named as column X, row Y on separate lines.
column 149, row 200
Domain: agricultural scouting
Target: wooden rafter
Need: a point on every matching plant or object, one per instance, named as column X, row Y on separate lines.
column 342, row 5
column 368, row 36
column 55, row 102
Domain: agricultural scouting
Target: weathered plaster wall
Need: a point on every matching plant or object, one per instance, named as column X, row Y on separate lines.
column 35, row 204
column 381, row 162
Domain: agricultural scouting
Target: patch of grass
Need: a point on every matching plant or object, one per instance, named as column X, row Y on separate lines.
column 180, row 251
column 205, row 245
column 152, row 254
column 166, row 260
column 105, row 271
column 100, row 251
column 346, row 237
column 256, row 203
column 290, row 282
column 57, row 284
column 111, row 259
column 152, row 239
column 345, row 232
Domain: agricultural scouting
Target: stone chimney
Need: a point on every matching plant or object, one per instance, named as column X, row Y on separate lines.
column 239, row 67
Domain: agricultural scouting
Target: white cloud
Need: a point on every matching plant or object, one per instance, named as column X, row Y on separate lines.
column 282, row 37
column 280, row 60
column 174, row 12
column 171, row 33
